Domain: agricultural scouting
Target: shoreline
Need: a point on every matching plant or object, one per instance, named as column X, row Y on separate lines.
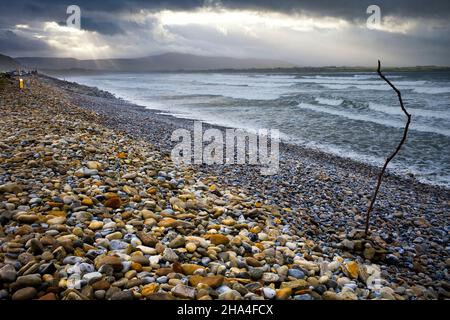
column 285, row 147
column 279, row 230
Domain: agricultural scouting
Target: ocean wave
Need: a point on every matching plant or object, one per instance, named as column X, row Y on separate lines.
column 339, row 81
column 370, row 118
column 202, row 83
column 330, row 102
column 381, row 86
column 351, row 77
column 344, row 152
column 414, row 111
column 432, row 90
column 360, row 82
column 416, row 88
column 431, row 176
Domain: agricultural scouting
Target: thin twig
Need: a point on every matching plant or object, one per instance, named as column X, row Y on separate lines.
column 405, row 133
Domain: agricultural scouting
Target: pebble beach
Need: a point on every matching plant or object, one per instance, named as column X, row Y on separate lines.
column 92, row 208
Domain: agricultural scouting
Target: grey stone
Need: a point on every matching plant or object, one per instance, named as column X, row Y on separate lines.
column 268, row 293
column 230, row 295
column 100, row 294
column 170, row 255
column 298, row 274
column 8, row 273
column 179, row 241
column 122, row 295
column 30, row 280
column 256, row 273
column 183, row 291
column 162, row 279
column 92, row 277
column 25, row 294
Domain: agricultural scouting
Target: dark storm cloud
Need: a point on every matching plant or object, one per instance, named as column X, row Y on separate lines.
column 21, row 11
column 104, row 27
column 111, row 20
column 108, row 28
column 10, row 42
column 349, row 9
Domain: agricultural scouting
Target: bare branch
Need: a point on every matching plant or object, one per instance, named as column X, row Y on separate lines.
column 405, row 133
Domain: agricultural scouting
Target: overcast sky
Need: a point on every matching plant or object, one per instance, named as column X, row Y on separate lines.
column 304, row 32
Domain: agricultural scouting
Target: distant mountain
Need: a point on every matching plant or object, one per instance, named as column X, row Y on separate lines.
column 162, row 62
column 8, row 63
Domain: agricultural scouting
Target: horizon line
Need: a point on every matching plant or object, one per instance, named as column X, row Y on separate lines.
column 294, row 65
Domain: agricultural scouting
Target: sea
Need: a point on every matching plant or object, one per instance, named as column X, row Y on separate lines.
column 353, row 115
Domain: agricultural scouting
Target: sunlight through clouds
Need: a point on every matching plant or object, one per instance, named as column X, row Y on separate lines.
column 70, row 41
column 223, row 19
column 297, row 36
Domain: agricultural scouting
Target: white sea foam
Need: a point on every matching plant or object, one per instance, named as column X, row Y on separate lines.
column 330, row 102
column 370, row 118
column 350, row 76
column 396, row 110
column 379, row 86
column 417, row 88
column 432, row 90
column 356, row 82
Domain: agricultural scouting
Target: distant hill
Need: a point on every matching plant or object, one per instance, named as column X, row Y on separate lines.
column 162, row 62
column 8, row 63
column 168, row 62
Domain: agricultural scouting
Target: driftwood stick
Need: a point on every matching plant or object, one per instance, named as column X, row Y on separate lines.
column 405, row 133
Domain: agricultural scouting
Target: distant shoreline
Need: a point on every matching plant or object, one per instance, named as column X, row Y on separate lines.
column 72, row 72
